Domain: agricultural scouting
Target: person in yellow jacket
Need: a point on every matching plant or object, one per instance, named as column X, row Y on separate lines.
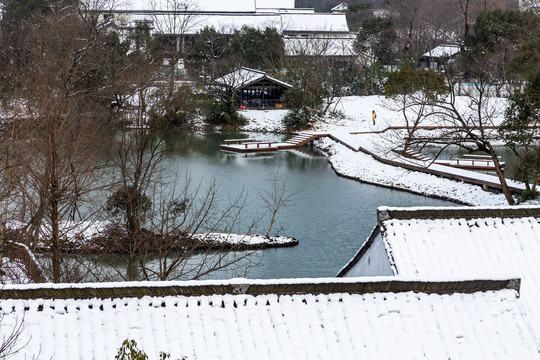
column 373, row 116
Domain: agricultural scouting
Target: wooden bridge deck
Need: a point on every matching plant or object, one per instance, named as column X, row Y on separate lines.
column 250, row 145
column 422, row 164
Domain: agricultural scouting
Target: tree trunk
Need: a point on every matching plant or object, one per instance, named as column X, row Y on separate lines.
column 53, row 208
column 500, row 174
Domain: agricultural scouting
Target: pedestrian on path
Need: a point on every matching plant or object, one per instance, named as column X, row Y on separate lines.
column 373, row 116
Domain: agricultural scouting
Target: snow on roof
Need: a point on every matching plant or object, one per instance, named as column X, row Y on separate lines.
column 206, row 5
column 341, row 7
column 464, row 242
column 192, row 5
column 274, row 4
column 227, row 23
column 317, row 46
column 245, row 77
column 224, row 23
column 443, row 50
column 382, row 325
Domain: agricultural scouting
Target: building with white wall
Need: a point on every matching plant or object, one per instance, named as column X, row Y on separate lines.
column 186, row 18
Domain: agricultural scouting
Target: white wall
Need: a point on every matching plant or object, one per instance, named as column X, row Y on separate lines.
column 374, row 262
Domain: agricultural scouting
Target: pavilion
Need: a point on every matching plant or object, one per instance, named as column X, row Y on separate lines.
column 254, row 88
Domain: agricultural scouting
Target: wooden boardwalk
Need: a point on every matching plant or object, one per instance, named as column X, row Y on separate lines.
column 250, row 145
column 435, row 127
column 418, row 162
column 469, row 161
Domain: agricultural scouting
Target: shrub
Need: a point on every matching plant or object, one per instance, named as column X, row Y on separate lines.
column 177, row 111
column 297, row 119
column 527, row 195
column 130, row 351
column 223, row 114
column 128, row 202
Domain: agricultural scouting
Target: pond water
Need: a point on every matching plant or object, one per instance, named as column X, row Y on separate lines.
column 331, row 216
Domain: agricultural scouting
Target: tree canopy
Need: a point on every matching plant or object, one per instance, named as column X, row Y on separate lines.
column 379, row 36
column 496, row 39
column 408, row 80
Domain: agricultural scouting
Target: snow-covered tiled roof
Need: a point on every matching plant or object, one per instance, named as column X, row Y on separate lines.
column 246, row 76
column 443, row 50
column 274, row 4
column 240, row 325
column 205, row 5
column 191, row 5
column 227, row 23
column 224, row 23
column 341, row 7
column 467, row 242
column 191, row 16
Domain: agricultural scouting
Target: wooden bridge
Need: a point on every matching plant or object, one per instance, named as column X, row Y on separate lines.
column 251, row 145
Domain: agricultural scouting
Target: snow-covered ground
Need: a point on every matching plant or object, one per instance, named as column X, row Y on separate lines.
column 81, row 236
column 13, row 272
column 365, row 168
column 356, row 111
column 264, row 120
column 244, row 241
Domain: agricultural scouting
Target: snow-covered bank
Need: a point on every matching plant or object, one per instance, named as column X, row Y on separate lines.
column 90, row 237
column 356, row 111
column 362, row 167
column 236, row 241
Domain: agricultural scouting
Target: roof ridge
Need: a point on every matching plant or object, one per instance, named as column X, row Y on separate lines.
column 357, row 286
column 385, row 213
column 254, row 70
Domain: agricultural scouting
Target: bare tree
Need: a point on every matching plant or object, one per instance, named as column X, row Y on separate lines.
column 467, row 119
column 59, row 125
column 469, row 10
column 9, row 344
column 308, row 65
column 277, row 198
column 174, row 20
column 160, row 217
column 410, row 19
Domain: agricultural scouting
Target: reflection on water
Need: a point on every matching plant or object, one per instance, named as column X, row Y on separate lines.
column 331, row 216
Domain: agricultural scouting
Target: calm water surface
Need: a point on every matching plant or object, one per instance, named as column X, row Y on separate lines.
column 331, row 216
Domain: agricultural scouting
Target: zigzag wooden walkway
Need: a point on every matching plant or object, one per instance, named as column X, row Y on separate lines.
column 250, row 145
